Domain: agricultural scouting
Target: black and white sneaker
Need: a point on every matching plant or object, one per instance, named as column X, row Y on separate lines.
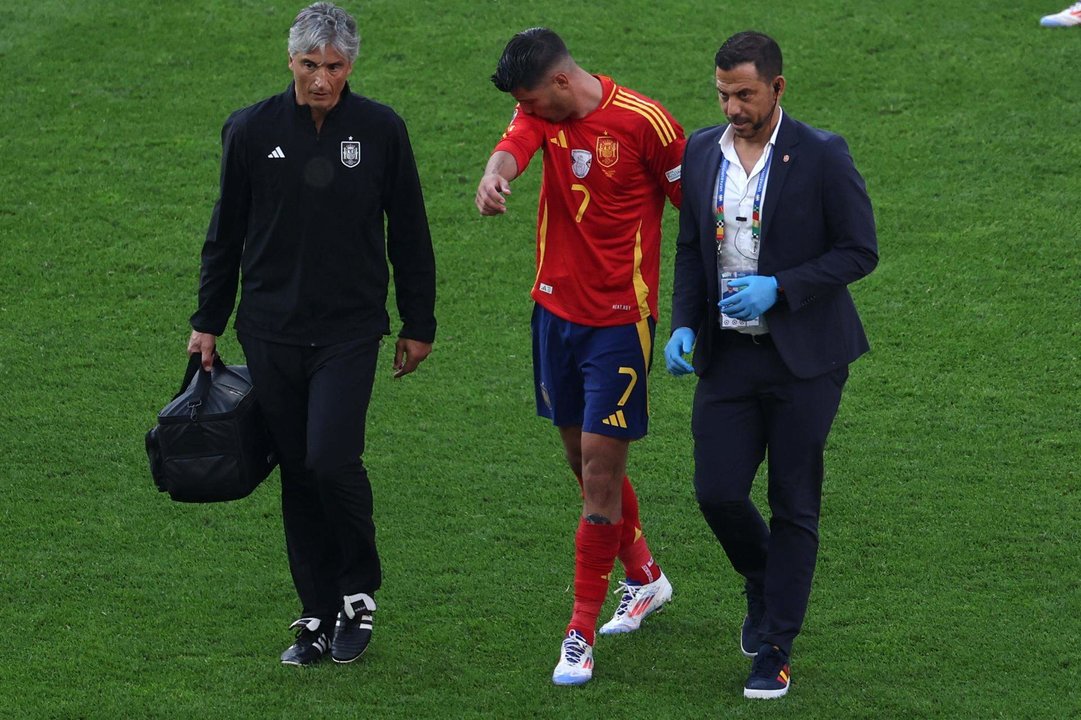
column 311, row 643
column 353, row 631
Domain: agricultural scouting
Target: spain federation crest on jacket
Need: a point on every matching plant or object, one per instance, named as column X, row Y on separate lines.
column 350, row 152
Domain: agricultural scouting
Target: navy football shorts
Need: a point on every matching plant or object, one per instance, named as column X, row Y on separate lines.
column 594, row 377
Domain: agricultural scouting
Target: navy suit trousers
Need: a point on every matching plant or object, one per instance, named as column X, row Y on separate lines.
column 315, row 400
column 748, row 406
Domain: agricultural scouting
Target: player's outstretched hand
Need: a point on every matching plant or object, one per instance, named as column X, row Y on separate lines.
column 758, row 294
column 491, row 194
column 681, row 343
column 408, row 354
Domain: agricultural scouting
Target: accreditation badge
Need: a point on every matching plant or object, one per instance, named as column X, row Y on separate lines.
column 730, row 322
column 747, row 244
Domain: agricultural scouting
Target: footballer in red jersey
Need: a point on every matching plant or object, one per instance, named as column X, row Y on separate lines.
column 606, row 176
column 611, row 156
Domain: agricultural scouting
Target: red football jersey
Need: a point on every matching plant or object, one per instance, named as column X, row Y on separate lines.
column 602, row 196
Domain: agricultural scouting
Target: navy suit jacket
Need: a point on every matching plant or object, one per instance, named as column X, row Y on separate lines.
column 818, row 235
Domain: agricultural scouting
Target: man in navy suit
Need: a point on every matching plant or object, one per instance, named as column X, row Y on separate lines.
column 775, row 224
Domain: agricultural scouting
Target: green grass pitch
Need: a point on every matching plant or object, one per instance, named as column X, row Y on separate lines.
column 948, row 581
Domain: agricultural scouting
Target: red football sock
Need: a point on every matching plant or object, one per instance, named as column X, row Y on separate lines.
column 633, row 551
column 595, row 554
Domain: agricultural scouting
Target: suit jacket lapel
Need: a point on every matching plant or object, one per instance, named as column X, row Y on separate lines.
column 784, row 156
column 711, row 164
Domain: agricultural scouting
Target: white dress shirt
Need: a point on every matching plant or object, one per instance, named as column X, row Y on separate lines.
column 739, row 252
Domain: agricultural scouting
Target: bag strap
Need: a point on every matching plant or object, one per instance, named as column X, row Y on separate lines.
column 203, row 381
column 195, row 364
column 195, row 361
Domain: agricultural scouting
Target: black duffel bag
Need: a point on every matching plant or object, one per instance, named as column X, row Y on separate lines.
column 211, row 443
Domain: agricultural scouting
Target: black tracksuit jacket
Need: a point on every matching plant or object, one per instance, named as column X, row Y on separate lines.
column 301, row 218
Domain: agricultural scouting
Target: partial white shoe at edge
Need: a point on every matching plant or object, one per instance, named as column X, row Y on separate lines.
column 575, row 665
column 636, row 603
column 1069, row 17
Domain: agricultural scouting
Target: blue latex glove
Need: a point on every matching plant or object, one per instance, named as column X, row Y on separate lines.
column 756, row 294
column 681, row 343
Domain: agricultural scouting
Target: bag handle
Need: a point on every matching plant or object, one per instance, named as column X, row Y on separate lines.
column 202, row 380
column 195, row 361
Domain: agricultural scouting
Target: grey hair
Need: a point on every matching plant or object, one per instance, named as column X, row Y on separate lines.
column 322, row 24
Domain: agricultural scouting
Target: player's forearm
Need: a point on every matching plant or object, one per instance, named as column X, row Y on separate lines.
column 502, row 163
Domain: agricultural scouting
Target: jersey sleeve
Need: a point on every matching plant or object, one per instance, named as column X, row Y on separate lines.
column 664, row 156
column 522, row 138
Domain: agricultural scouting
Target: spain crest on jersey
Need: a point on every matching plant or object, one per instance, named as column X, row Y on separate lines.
column 580, row 162
column 607, row 151
column 350, row 152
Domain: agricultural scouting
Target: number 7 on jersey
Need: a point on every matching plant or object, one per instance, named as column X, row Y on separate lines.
column 585, row 200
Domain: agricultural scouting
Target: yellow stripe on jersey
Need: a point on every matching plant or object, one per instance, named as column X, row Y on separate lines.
column 641, row 289
column 650, row 112
column 665, row 140
column 615, row 89
column 654, row 109
column 542, row 242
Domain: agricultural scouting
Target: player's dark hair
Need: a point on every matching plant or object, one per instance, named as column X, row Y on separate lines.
column 753, row 47
column 527, row 58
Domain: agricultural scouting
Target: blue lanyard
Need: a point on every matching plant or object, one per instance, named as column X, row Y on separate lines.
column 756, row 209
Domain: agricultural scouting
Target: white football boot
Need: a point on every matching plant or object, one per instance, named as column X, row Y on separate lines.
column 575, row 661
column 1069, row 17
column 635, row 603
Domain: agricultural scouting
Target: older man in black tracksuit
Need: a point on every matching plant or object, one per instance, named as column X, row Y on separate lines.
column 308, row 178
